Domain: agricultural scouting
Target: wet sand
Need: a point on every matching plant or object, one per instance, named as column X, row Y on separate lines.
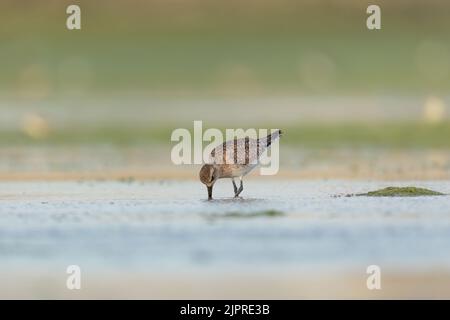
column 153, row 163
column 161, row 239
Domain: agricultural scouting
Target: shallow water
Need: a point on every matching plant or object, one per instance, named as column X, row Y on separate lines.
column 168, row 225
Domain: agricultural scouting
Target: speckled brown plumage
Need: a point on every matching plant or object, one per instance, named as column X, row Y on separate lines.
column 234, row 158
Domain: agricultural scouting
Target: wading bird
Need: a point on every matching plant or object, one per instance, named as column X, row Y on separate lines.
column 235, row 158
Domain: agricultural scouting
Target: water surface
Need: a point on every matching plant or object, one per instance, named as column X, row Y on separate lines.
column 167, row 225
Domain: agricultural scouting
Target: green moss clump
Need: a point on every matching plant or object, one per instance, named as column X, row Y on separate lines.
column 401, row 192
column 263, row 213
column 246, row 215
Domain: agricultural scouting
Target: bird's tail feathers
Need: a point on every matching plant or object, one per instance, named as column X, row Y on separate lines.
column 273, row 136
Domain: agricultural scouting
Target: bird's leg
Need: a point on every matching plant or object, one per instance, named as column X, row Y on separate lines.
column 235, row 188
column 241, row 187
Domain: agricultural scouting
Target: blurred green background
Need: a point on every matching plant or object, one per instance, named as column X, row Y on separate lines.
column 138, row 69
column 226, row 47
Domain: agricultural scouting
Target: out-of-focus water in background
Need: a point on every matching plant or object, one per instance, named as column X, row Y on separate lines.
column 86, row 118
column 163, row 64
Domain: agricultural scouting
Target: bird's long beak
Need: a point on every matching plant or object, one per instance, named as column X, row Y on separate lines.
column 210, row 192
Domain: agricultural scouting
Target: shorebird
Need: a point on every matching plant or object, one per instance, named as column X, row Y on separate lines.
column 234, row 158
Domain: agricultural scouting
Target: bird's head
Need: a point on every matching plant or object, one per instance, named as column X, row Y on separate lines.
column 208, row 176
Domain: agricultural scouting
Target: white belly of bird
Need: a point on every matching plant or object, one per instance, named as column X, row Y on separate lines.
column 242, row 170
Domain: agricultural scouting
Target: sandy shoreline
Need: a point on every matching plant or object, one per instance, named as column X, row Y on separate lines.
column 127, row 285
column 162, row 239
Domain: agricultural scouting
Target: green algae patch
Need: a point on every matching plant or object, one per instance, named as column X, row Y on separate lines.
column 401, row 192
column 246, row 215
column 254, row 214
